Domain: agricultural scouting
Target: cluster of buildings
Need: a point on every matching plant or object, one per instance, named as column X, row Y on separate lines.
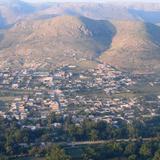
column 81, row 94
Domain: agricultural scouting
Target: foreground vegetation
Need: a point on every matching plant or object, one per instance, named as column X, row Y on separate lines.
column 16, row 142
column 110, row 151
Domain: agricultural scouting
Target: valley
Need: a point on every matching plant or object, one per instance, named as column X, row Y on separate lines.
column 79, row 81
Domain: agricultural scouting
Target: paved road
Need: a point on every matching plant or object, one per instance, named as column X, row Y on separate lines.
column 107, row 141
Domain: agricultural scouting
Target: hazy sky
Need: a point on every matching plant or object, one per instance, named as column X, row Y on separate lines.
column 35, row 1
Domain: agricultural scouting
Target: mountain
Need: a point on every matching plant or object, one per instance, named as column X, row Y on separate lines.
column 18, row 6
column 13, row 10
column 147, row 16
column 135, row 47
column 147, row 12
column 47, row 43
column 90, row 10
column 55, row 41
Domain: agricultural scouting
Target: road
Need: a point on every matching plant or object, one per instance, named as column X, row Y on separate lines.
column 107, row 141
column 70, row 145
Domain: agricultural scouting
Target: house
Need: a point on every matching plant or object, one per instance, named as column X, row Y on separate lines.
column 54, row 106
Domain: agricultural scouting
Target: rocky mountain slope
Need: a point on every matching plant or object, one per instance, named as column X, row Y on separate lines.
column 56, row 41
column 128, row 45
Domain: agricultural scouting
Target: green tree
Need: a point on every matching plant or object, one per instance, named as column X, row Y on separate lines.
column 132, row 131
column 145, row 151
column 130, row 149
column 57, row 153
column 157, row 155
column 132, row 157
column 3, row 157
column 113, row 149
column 89, row 153
column 93, row 135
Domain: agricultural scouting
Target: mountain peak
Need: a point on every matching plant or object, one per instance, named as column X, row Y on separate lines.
column 68, row 26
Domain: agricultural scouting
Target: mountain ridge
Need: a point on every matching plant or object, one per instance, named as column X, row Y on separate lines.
column 127, row 45
column 14, row 10
column 63, row 37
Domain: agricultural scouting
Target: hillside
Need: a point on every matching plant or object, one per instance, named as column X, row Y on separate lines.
column 50, row 42
column 135, row 47
column 56, row 41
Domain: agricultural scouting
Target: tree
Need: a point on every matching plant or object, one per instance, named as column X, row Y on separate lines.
column 157, row 155
column 132, row 157
column 93, row 135
column 3, row 157
column 130, row 149
column 89, row 153
column 57, row 153
column 113, row 149
column 132, row 131
column 145, row 151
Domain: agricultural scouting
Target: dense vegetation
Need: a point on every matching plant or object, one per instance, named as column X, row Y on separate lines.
column 16, row 140
column 128, row 151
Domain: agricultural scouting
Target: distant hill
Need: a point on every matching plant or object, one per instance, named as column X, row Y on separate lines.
column 18, row 6
column 13, row 10
column 147, row 12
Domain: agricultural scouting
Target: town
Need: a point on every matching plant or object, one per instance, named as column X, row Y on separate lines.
column 100, row 94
